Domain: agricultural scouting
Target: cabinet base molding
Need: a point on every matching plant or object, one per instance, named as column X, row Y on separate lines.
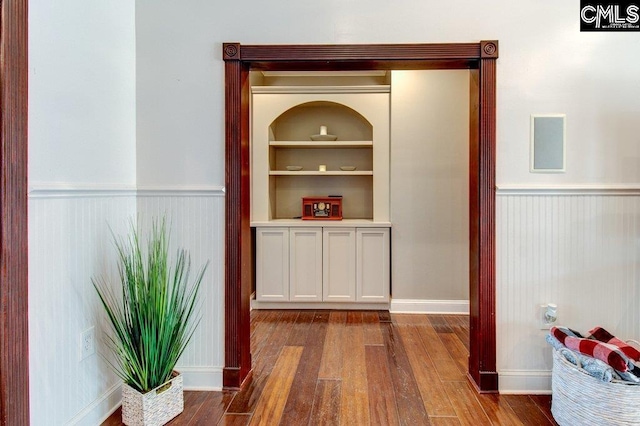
column 321, row 305
column 415, row 306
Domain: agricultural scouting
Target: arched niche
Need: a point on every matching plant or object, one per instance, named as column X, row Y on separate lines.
column 303, row 120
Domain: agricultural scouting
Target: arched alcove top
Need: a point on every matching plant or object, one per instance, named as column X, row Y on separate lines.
column 305, row 119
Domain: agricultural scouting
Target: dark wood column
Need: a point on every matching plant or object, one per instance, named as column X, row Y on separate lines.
column 482, row 358
column 14, row 341
column 237, row 207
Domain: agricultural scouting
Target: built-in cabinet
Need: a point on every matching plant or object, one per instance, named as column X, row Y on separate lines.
column 313, row 264
column 291, row 158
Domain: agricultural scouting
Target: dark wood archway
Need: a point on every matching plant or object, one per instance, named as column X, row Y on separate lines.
column 14, row 346
column 480, row 58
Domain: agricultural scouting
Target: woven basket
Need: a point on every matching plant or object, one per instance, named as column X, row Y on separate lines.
column 154, row 408
column 581, row 399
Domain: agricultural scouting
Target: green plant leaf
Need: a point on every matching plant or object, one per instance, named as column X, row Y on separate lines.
column 155, row 314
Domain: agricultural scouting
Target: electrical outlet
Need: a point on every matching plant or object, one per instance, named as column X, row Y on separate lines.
column 545, row 322
column 87, row 343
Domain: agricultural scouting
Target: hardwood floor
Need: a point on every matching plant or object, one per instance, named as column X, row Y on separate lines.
column 358, row 368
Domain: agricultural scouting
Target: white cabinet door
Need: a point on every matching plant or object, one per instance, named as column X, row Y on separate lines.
column 272, row 264
column 339, row 265
column 305, row 264
column 372, row 265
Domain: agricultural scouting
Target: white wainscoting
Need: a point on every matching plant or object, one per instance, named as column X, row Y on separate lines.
column 197, row 217
column 578, row 247
column 70, row 242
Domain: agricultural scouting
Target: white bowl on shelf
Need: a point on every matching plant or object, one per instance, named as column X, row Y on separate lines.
column 323, row 138
column 348, row 168
column 294, row 168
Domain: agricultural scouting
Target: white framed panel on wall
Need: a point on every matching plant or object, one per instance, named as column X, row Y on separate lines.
column 548, row 143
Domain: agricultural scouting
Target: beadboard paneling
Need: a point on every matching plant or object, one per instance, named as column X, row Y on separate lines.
column 580, row 251
column 197, row 225
column 69, row 242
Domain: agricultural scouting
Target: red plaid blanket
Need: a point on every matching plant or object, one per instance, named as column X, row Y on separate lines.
column 605, row 352
column 599, row 333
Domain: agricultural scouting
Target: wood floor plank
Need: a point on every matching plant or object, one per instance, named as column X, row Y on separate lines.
column 439, row 324
column 300, row 329
column 460, row 327
column 371, row 324
column 408, row 398
column 457, row 351
column 212, row 408
column 263, row 328
column 331, row 365
column 404, row 318
column 434, row 397
column 384, row 316
column 326, row 403
column 297, row 410
column 247, row 398
column 527, row 411
column 444, row 421
column 354, row 403
column 468, row 409
column 445, row 365
column 544, row 403
column 235, row 420
column 382, row 405
column 498, row 410
column 276, row 391
column 192, row 403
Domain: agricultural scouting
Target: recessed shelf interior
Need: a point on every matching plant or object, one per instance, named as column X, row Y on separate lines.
column 288, row 191
column 309, row 158
column 302, row 121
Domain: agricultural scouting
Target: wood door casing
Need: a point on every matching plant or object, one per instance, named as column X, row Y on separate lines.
column 480, row 58
column 14, row 341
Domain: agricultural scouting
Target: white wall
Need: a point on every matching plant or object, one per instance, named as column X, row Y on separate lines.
column 82, row 105
column 430, row 185
column 82, row 179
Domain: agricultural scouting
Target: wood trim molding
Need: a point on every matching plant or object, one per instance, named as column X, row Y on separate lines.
column 14, row 340
column 480, row 58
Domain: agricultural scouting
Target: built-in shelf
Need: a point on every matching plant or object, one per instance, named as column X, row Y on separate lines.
column 325, row 144
column 317, row 173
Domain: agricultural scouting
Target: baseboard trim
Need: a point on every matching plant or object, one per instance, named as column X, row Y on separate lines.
column 383, row 306
column 414, row 306
column 94, row 413
column 201, row 378
column 531, row 382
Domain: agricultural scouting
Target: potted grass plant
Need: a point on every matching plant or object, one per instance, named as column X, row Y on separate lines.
column 152, row 316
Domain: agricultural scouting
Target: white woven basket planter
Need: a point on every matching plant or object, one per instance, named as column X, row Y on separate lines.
column 154, row 408
column 580, row 399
